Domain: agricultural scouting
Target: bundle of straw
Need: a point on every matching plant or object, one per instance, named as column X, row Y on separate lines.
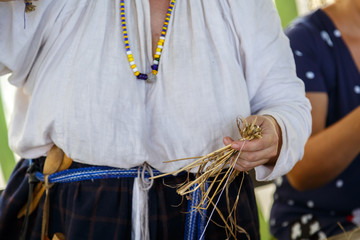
column 213, row 168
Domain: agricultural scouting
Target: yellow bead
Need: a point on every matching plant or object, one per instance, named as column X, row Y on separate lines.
column 160, row 42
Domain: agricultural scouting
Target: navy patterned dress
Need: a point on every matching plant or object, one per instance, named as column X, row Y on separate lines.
column 325, row 64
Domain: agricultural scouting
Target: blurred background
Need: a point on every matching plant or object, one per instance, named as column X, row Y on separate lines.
column 288, row 10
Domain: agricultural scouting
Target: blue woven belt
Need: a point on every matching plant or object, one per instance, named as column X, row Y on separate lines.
column 195, row 221
column 92, row 173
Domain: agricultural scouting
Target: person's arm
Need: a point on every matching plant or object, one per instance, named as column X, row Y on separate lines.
column 329, row 151
column 22, row 37
column 273, row 90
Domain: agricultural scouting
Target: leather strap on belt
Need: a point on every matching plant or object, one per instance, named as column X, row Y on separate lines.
column 55, row 161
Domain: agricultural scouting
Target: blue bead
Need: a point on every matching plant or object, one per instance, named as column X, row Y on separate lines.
column 142, row 76
column 154, row 67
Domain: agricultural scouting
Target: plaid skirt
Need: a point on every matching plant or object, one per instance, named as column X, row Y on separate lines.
column 102, row 208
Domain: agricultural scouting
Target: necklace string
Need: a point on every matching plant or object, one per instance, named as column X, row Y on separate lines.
column 149, row 77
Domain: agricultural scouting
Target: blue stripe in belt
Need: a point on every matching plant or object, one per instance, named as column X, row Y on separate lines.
column 91, row 173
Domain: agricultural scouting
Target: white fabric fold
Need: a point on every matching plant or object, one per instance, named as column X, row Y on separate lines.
column 139, row 224
column 140, row 208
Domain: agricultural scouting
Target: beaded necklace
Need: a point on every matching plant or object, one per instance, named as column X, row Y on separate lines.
column 150, row 77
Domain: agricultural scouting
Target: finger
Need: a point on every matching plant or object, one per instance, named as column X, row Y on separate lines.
column 253, row 156
column 243, row 165
column 256, row 144
column 227, row 140
column 249, row 160
column 251, row 146
column 238, row 144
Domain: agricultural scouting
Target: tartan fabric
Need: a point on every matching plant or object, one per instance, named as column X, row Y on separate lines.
column 101, row 209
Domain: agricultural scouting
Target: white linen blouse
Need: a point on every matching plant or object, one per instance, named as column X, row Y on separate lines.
column 221, row 59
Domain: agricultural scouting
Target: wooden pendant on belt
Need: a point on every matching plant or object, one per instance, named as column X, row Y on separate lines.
column 55, row 161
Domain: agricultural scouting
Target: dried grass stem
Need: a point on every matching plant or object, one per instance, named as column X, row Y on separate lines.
column 216, row 169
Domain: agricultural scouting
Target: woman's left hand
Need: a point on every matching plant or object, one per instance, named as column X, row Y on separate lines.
column 261, row 151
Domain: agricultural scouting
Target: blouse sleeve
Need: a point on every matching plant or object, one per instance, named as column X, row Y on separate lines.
column 20, row 39
column 23, row 35
column 274, row 89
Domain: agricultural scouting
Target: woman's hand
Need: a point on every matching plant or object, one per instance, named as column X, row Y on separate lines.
column 262, row 151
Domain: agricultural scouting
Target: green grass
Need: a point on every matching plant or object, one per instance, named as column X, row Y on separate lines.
column 7, row 160
column 287, row 10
